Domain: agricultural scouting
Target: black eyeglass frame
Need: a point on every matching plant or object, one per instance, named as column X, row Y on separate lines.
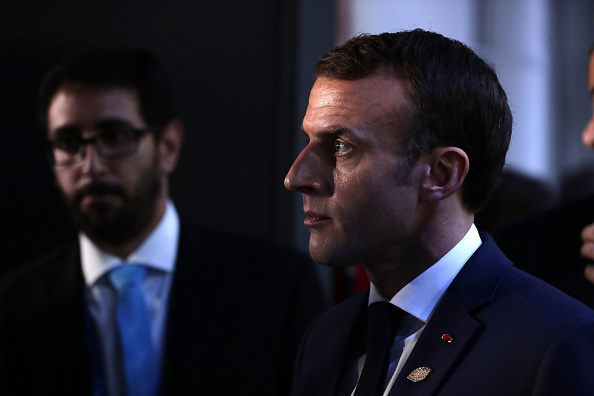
column 80, row 156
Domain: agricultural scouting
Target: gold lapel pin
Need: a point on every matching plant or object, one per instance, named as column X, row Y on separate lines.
column 419, row 374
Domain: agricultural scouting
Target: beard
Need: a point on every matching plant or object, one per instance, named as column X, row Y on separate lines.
column 115, row 226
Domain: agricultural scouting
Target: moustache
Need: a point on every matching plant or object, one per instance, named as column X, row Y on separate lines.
column 99, row 188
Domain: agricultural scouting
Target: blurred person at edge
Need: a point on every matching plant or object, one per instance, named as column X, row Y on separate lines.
column 547, row 244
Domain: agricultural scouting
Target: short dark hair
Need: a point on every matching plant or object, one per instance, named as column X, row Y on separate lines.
column 135, row 69
column 456, row 96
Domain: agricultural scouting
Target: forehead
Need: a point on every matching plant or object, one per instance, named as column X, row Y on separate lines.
column 365, row 104
column 84, row 105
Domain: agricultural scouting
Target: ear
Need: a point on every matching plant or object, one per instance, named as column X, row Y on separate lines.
column 448, row 167
column 169, row 145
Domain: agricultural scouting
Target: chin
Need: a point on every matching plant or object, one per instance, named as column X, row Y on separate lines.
column 99, row 214
column 331, row 258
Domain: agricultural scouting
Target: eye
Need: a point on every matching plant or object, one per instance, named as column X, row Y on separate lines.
column 68, row 144
column 340, row 147
column 116, row 136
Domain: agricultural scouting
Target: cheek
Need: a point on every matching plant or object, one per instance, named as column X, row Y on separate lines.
column 64, row 180
column 130, row 171
column 364, row 197
column 130, row 179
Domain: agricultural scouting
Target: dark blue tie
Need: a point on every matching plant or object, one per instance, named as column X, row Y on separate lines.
column 138, row 351
column 382, row 322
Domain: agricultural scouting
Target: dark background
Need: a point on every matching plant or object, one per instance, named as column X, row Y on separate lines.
column 236, row 68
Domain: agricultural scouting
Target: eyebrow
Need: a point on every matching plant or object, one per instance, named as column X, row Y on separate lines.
column 334, row 132
column 107, row 122
column 69, row 129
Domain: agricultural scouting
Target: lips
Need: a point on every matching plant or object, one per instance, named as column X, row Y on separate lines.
column 313, row 219
column 88, row 199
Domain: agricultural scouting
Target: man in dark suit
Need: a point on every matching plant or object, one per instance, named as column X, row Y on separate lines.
column 557, row 245
column 406, row 138
column 145, row 302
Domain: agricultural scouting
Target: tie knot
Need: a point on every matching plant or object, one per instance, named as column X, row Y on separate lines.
column 382, row 322
column 127, row 276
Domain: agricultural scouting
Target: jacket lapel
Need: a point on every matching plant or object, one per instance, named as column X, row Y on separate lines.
column 472, row 289
column 189, row 315
column 327, row 363
column 347, row 347
column 433, row 352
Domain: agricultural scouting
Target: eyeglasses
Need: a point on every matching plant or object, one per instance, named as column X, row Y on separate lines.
column 110, row 142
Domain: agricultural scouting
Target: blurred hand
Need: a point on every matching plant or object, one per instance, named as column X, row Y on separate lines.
column 587, row 251
column 589, row 273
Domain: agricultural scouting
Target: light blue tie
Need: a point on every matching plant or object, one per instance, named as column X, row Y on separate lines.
column 138, row 351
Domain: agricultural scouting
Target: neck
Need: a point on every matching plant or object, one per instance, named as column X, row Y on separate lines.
column 433, row 242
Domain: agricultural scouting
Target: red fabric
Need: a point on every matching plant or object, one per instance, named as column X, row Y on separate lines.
column 361, row 281
column 349, row 281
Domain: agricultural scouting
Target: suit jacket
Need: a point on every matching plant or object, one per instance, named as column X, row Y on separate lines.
column 237, row 310
column 512, row 335
column 547, row 245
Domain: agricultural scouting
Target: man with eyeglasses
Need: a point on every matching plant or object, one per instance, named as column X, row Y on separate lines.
column 144, row 302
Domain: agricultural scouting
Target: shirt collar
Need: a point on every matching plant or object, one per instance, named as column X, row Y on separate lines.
column 422, row 294
column 159, row 249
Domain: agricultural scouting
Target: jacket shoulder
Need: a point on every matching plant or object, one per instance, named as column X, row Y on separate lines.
column 52, row 266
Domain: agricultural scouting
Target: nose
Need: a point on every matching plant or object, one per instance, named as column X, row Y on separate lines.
column 307, row 174
column 92, row 163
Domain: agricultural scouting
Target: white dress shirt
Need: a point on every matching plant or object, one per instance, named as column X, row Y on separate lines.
column 418, row 300
column 158, row 253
